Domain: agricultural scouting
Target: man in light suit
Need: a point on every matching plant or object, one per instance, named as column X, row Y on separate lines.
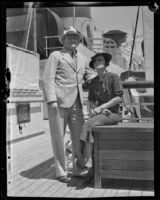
column 62, row 86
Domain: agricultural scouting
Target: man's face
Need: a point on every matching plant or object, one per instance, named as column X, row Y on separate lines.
column 71, row 41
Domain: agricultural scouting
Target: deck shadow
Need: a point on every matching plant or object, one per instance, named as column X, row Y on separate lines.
column 44, row 170
column 119, row 184
column 81, row 182
column 125, row 184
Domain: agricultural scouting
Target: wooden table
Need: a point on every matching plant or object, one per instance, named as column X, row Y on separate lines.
column 124, row 151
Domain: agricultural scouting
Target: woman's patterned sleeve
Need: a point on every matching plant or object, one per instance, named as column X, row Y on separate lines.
column 117, row 86
column 91, row 96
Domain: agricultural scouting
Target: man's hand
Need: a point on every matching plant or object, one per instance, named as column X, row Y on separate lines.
column 53, row 104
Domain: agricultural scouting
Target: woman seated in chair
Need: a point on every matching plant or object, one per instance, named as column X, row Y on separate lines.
column 105, row 94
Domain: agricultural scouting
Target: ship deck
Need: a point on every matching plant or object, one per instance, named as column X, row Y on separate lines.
column 31, row 173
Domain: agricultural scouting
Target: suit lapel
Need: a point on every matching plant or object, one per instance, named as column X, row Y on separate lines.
column 69, row 60
column 78, row 62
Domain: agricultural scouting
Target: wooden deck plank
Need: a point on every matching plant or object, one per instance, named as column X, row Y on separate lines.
column 33, row 145
column 86, row 192
column 21, row 159
column 36, row 184
column 55, row 187
column 29, row 182
column 51, row 190
column 36, row 146
column 28, row 159
column 77, row 186
column 32, row 174
column 31, row 163
column 136, row 189
column 108, row 187
column 62, row 191
column 125, row 188
column 147, row 193
column 30, row 188
column 88, row 187
column 97, row 192
column 148, row 188
column 44, row 187
column 31, row 160
column 40, row 186
column 19, row 178
column 112, row 188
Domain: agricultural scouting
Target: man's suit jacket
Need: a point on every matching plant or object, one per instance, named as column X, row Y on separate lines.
column 62, row 78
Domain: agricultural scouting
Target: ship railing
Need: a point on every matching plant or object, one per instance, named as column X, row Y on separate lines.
column 102, row 44
column 96, row 44
column 49, row 48
column 130, row 85
column 107, row 45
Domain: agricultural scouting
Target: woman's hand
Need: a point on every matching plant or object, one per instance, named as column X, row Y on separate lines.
column 92, row 106
column 97, row 110
column 106, row 111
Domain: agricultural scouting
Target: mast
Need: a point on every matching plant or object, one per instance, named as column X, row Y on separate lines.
column 35, row 28
column 74, row 16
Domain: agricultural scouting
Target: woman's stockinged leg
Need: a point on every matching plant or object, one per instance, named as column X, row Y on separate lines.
column 88, row 151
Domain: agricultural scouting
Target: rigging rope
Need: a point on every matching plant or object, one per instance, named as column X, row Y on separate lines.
column 29, row 27
column 130, row 64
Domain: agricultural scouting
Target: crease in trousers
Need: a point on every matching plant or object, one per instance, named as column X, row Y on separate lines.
column 59, row 118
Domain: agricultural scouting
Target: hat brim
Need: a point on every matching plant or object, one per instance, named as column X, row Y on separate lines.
column 107, row 58
column 61, row 37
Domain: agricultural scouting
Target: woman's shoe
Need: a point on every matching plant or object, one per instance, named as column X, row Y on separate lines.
column 90, row 171
column 82, row 173
column 63, row 179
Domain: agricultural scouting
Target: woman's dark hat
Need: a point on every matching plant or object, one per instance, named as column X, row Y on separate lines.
column 107, row 58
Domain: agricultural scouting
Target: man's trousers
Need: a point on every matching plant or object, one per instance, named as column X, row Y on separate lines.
column 58, row 120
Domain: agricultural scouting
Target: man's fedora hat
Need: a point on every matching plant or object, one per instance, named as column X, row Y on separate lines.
column 107, row 58
column 68, row 31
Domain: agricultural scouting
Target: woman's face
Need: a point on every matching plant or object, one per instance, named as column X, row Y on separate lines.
column 99, row 62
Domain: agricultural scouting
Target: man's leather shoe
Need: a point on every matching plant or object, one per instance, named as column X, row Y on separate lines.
column 63, row 179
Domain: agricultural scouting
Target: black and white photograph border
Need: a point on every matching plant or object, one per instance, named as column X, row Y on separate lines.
column 125, row 154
